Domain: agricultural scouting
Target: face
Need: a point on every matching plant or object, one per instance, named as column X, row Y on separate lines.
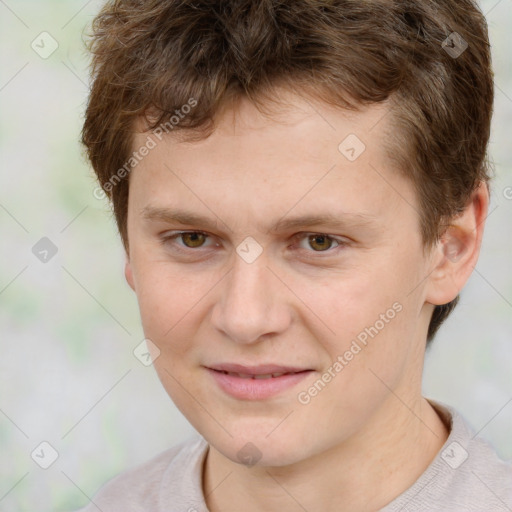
column 277, row 245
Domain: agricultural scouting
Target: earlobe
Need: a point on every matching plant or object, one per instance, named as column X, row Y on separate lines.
column 456, row 253
column 128, row 274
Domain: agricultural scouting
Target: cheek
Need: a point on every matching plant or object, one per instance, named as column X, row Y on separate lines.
column 167, row 302
column 367, row 319
column 170, row 308
column 347, row 303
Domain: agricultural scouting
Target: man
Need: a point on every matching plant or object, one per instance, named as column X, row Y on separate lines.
column 301, row 190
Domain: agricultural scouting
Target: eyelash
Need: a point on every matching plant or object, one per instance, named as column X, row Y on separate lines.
column 166, row 239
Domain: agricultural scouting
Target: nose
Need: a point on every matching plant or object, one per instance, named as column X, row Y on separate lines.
column 253, row 303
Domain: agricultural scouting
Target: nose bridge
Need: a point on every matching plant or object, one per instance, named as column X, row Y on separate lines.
column 250, row 304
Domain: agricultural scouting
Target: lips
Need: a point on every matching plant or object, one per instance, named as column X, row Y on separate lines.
column 256, row 382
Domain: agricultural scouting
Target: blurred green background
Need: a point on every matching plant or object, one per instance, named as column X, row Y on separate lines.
column 68, row 327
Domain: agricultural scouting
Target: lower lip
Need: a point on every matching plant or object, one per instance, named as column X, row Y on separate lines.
column 256, row 389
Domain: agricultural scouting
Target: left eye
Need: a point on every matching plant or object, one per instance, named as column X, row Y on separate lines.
column 320, row 242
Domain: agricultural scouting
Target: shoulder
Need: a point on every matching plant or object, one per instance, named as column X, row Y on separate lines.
column 466, row 475
column 478, row 473
column 150, row 484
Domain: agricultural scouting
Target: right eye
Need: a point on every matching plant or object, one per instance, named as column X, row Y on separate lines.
column 191, row 239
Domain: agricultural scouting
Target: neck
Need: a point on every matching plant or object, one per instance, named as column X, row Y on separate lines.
column 387, row 457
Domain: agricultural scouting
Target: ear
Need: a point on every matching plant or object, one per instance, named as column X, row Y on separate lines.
column 128, row 273
column 456, row 253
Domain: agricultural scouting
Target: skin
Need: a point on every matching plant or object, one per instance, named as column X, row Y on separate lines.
column 300, row 303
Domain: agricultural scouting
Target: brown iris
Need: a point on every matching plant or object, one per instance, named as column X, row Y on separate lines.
column 323, row 241
column 196, row 239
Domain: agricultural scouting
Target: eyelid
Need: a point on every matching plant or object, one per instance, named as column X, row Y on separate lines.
column 304, row 234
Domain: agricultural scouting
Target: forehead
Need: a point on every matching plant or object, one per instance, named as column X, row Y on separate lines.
column 304, row 152
column 292, row 119
column 297, row 114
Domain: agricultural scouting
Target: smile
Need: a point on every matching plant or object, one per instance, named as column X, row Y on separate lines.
column 245, row 386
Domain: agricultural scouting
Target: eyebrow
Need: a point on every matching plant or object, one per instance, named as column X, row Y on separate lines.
column 341, row 220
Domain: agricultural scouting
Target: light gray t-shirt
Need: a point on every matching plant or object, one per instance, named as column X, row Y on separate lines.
column 466, row 476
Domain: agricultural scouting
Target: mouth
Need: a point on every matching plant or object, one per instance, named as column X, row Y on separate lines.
column 258, row 376
column 254, row 371
column 256, row 382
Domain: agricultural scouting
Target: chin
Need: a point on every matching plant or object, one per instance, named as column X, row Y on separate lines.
column 253, row 448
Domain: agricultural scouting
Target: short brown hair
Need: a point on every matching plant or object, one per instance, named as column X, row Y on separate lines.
column 150, row 57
